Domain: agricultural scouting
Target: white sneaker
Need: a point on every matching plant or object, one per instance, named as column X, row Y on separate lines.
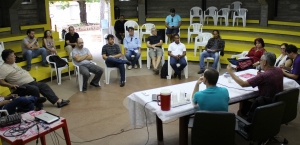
column 129, row 67
column 135, row 66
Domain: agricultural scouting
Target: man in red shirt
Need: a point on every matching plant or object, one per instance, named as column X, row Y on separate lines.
column 269, row 82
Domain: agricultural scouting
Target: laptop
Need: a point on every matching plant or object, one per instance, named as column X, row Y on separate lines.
column 47, row 117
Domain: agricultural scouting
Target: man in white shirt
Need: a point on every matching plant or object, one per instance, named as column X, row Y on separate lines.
column 177, row 51
column 82, row 58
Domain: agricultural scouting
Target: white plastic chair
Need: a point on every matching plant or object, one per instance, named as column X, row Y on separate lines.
column 58, row 70
column 1, row 49
column 236, row 6
column 201, row 40
column 135, row 25
column 170, row 69
column 109, row 69
column 197, row 29
column 241, row 13
column 207, row 59
column 79, row 77
column 212, row 12
column 149, row 59
column 225, row 13
column 166, row 36
column 147, row 27
column 196, row 12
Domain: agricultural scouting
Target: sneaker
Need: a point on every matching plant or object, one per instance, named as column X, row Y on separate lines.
column 157, row 71
column 95, row 85
column 62, row 103
column 45, row 65
column 201, row 71
column 129, row 67
column 135, row 66
column 84, row 90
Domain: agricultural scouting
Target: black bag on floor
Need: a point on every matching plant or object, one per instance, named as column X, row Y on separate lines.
column 164, row 70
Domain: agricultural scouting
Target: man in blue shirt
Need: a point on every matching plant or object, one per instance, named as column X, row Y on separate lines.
column 132, row 46
column 172, row 23
column 213, row 98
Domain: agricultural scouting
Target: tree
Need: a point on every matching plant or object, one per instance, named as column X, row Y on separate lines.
column 82, row 7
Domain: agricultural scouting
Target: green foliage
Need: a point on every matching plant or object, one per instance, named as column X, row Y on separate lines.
column 64, row 4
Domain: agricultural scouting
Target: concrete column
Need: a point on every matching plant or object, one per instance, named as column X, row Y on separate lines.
column 141, row 12
column 263, row 13
column 14, row 17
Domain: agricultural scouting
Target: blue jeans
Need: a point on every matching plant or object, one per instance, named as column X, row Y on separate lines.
column 205, row 54
column 136, row 56
column 181, row 61
column 23, row 104
column 119, row 63
column 29, row 54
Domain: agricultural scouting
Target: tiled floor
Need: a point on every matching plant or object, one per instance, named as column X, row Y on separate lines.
column 102, row 112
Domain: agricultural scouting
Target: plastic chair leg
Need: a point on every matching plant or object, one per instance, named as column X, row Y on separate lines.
column 58, row 76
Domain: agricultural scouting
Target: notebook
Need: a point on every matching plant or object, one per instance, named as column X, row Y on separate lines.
column 47, row 117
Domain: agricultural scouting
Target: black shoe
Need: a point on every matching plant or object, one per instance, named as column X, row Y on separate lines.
column 175, row 75
column 122, row 84
column 62, row 103
column 45, row 65
column 84, row 90
column 40, row 100
column 179, row 76
column 95, row 85
column 201, row 71
column 128, row 62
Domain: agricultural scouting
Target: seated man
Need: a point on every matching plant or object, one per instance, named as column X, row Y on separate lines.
column 154, row 44
column 292, row 52
column 70, row 41
column 119, row 28
column 177, row 51
column 24, row 104
column 213, row 98
column 31, row 49
column 111, row 53
column 82, row 58
column 212, row 49
column 21, row 83
column 132, row 45
column 172, row 23
column 269, row 82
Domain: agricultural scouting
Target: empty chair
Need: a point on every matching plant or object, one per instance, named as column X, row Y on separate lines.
column 133, row 24
column 196, row 12
column 212, row 12
column 240, row 14
column 201, row 40
column 236, row 6
column 290, row 98
column 167, row 38
column 170, row 69
column 195, row 28
column 147, row 27
column 224, row 14
column 213, row 128
column 265, row 124
column 149, row 59
column 58, row 70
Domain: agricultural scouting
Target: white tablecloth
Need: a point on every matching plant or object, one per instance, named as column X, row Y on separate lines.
column 137, row 100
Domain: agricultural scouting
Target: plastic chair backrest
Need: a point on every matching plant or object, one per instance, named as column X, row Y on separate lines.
column 195, row 11
column 134, row 24
column 225, row 11
column 197, row 27
column 1, row 49
column 212, row 11
column 242, row 12
column 236, row 5
column 206, row 37
column 148, row 27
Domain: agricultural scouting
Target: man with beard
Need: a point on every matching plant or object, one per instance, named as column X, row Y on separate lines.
column 31, row 49
column 214, row 45
column 82, row 58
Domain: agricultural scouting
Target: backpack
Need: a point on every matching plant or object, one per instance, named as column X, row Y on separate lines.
column 59, row 62
column 164, row 70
